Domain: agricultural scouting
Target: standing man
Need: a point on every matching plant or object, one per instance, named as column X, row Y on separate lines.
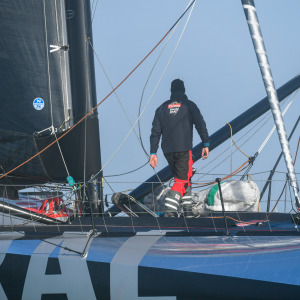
column 174, row 121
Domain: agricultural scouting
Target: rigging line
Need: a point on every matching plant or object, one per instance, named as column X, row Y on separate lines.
column 182, row 15
column 238, row 170
column 266, row 118
column 274, row 127
column 93, row 15
column 106, row 75
column 285, row 183
column 62, row 156
column 139, row 127
column 124, row 111
column 95, row 8
column 92, row 110
column 114, row 154
column 225, row 151
column 269, row 135
column 140, row 205
column 232, row 141
column 109, row 185
column 59, row 246
column 252, row 174
column 158, row 178
column 121, row 174
column 281, row 172
column 199, row 177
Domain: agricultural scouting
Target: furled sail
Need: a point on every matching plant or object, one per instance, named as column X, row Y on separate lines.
column 47, row 84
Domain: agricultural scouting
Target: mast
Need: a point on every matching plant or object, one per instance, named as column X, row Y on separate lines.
column 265, row 69
column 83, row 87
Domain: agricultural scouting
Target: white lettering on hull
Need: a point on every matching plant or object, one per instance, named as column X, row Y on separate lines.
column 124, row 267
column 74, row 279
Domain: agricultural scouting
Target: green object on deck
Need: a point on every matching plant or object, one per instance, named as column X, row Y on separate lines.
column 211, row 194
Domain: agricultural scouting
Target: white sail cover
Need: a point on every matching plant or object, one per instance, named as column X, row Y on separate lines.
column 238, row 196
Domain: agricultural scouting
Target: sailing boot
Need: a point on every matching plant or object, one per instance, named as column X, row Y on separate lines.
column 172, row 201
column 187, row 203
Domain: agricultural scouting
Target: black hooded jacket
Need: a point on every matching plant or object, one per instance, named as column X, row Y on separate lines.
column 174, row 121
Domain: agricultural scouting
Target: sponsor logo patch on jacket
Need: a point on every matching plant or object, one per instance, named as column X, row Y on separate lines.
column 174, row 104
column 174, row 107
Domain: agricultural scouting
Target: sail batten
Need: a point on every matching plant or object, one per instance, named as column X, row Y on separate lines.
column 66, row 73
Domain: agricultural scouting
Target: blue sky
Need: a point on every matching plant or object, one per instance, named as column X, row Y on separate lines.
column 215, row 59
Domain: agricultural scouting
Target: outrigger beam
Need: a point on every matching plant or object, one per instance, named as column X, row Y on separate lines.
column 216, row 139
column 17, row 211
column 265, row 69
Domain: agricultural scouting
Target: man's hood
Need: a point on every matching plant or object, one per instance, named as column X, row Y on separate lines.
column 178, row 96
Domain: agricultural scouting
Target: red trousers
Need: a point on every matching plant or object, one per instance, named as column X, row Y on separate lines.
column 181, row 165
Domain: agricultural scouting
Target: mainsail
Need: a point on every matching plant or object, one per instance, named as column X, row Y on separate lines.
column 47, row 84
